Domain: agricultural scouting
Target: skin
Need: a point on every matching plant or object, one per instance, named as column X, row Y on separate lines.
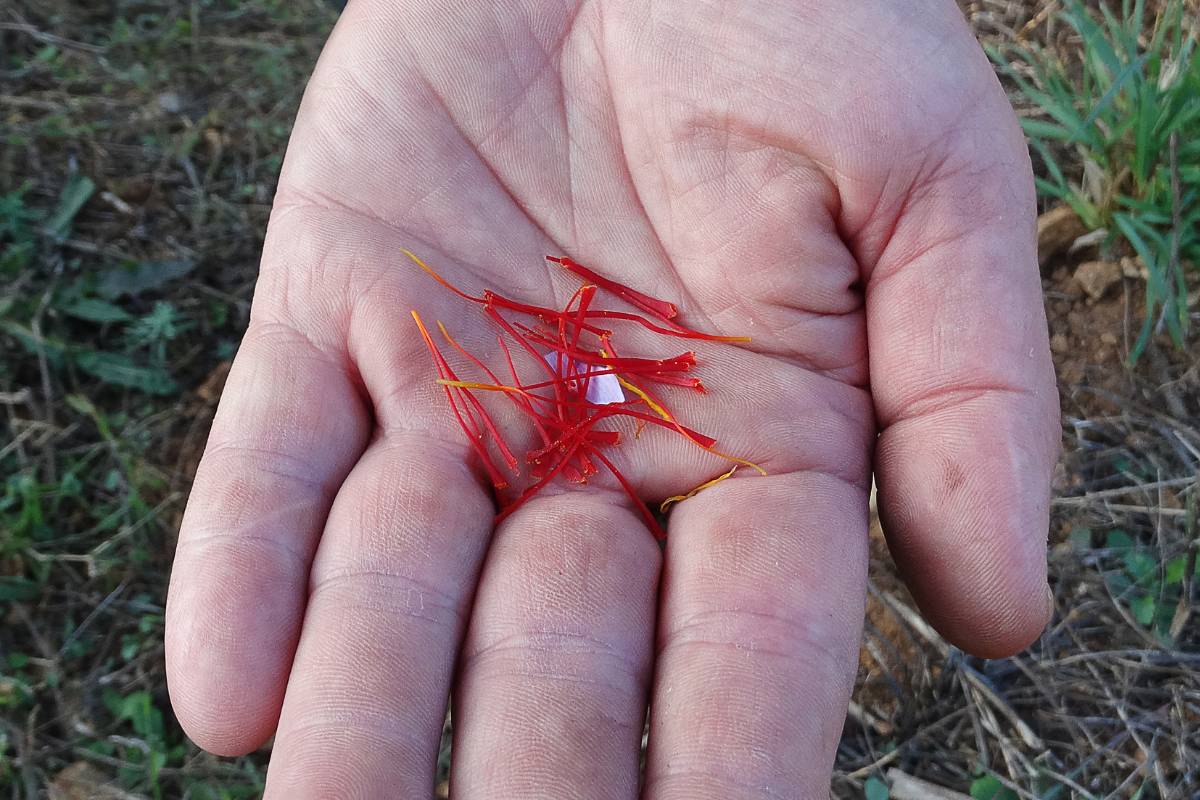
column 844, row 182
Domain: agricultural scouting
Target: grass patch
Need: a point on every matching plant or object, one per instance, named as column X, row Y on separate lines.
column 138, row 156
column 1125, row 108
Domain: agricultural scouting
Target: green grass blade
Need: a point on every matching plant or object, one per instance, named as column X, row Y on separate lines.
column 1099, row 53
column 1046, row 130
column 77, row 191
column 1133, row 68
column 1051, row 163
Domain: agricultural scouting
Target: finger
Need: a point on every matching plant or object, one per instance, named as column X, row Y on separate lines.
column 274, row 460
column 387, row 607
column 552, row 696
column 965, row 394
column 760, row 622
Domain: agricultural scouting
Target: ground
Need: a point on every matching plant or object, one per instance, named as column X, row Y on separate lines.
column 139, row 144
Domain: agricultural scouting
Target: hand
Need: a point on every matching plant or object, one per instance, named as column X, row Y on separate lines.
column 842, row 181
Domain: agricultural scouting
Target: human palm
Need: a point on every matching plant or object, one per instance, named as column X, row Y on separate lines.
column 844, row 183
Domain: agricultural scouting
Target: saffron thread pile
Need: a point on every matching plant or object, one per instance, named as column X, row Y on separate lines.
column 575, row 392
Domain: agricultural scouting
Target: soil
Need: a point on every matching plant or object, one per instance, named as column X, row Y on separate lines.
column 1089, row 338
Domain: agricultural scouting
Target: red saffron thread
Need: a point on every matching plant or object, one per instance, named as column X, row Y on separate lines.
column 566, row 421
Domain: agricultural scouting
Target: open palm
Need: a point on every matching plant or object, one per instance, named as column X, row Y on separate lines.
column 841, row 181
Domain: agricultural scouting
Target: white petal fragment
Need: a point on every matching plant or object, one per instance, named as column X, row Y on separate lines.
column 602, row 389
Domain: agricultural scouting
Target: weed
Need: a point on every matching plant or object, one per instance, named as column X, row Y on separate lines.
column 988, row 787
column 139, row 152
column 875, row 789
column 1128, row 110
column 1148, row 585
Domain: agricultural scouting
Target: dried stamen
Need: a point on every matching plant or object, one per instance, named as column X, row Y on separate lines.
column 679, row 498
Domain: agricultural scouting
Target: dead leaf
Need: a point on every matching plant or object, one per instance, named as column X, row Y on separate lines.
column 906, row 787
column 210, row 390
column 82, row 781
column 1057, row 229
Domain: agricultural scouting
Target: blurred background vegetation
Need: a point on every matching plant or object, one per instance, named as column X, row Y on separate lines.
column 139, row 145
